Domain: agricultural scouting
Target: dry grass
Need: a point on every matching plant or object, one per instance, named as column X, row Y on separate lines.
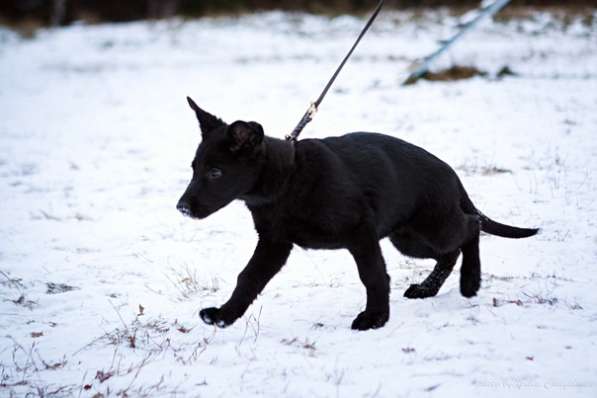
column 482, row 169
column 26, row 28
column 565, row 13
column 455, row 72
column 186, row 281
column 148, row 339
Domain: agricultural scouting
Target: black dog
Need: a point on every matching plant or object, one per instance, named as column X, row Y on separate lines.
column 338, row 192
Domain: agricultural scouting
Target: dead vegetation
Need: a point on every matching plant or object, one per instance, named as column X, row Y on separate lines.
column 135, row 345
column 463, row 72
column 482, row 169
column 16, row 283
column 535, row 298
column 57, row 288
column 27, row 28
column 305, row 344
column 8, row 281
column 565, row 14
column 24, row 302
column 44, row 215
column 455, row 72
column 153, row 336
column 18, row 374
column 186, row 281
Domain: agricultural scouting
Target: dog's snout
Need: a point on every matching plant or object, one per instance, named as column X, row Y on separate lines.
column 184, row 208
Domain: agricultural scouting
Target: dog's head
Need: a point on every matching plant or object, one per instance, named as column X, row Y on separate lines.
column 227, row 164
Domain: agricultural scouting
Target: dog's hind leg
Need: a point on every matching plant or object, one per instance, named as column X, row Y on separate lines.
column 470, row 271
column 431, row 285
column 372, row 272
column 410, row 246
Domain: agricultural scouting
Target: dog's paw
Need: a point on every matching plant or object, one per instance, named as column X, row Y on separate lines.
column 417, row 291
column 469, row 286
column 370, row 320
column 209, row 315
column 214, row 316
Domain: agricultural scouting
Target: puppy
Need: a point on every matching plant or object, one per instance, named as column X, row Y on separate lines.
column 338, row 192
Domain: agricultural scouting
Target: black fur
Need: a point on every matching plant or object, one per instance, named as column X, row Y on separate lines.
column 338, row 192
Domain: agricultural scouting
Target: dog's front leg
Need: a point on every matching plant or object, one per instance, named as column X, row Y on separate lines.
column 372, row 271
column 267, row 260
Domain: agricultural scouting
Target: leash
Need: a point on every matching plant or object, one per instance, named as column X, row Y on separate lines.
column 308, row 116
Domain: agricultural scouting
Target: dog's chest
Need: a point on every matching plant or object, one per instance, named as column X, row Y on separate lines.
column 308, row 231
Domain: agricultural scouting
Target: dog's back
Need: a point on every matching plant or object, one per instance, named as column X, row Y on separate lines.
column 390, row 177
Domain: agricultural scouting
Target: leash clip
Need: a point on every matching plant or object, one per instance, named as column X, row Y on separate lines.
column 307, row 117
column 312, row 110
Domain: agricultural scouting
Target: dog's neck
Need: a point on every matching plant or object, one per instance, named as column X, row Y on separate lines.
column 276, row 171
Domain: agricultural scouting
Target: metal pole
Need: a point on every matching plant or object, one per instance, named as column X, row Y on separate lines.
column 419, row 68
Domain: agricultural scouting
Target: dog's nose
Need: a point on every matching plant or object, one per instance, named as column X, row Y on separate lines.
column 184, row 208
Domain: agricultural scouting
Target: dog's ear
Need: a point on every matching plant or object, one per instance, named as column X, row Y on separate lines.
column 245, row 136
column 207, row 121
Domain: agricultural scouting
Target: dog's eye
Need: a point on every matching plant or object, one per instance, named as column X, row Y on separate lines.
column 214, row 173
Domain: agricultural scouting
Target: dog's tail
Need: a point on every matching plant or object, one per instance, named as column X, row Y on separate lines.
column 503, row 230
column 493, row 227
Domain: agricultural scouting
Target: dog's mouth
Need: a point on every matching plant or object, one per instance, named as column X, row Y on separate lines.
column 193, row 211
column 197, row 210
column 185, row 211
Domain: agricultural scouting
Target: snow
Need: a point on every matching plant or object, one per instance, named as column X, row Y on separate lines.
column 95, row 145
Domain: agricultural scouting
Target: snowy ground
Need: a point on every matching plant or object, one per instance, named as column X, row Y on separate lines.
column 95, row 145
